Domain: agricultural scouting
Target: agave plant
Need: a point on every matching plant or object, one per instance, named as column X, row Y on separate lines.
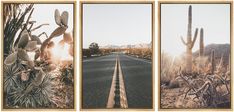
column 23, row 82
column 10, row 77
column 39, row 96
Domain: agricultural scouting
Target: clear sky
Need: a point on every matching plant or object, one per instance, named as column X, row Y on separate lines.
column 44, row 13
column 213, row 18
column 116, row 24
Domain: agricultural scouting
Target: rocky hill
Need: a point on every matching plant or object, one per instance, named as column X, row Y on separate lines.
column 220, row 50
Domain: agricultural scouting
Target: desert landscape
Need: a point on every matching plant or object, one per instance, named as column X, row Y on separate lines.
column 117, row 56
column 196, row 79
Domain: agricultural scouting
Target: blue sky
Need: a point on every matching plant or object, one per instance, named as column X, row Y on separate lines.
column 116, row 24
column 213, row 18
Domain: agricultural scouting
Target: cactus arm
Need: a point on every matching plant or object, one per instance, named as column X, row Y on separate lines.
column 194, row 38
column 183, row 40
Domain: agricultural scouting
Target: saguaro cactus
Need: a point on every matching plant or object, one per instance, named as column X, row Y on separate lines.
column 212, row 62
column 201, row 50
column 190, row 43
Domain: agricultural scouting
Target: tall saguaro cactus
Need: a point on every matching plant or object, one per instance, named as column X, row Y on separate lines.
column 190, row 42
column 201, row 49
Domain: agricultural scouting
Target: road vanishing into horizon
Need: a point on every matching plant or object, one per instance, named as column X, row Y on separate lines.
column 104, row 76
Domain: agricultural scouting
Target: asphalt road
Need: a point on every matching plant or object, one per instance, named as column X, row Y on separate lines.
column 138, row 81
column 97, row 77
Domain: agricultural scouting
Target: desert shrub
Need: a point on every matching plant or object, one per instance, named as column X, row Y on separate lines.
column 26, row 89
column 105, row 51
column 169, row 67
column 205, row 88
column 139, row 52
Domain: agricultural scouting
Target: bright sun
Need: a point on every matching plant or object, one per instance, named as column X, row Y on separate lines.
column 61, row 52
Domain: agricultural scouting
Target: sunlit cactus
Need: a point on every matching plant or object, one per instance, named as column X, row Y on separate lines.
column 62, row 22
column 28, row 82
column 190, row 42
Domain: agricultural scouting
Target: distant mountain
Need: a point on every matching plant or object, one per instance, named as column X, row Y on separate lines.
column 141, row 45
column 110, row 46
column 220, row 50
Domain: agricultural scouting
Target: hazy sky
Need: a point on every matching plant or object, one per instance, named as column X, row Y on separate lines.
column 116, row 24
column 213, row 18
column 44, row 13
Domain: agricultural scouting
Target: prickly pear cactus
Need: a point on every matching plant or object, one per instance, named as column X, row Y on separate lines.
column 28, row 81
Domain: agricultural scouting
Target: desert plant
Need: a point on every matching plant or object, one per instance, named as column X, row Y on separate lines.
column 39, row 96
column 213, row 62
column 204, row 88
column 26, row 81
column 167, row 72
column 67, row 74
column 190, row 43
column 21, row 77
column 201, row 51
column 201, row 45
column 13, row 23
column 61, row 21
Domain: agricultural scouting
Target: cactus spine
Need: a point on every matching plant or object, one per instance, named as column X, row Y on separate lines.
column 190, row 43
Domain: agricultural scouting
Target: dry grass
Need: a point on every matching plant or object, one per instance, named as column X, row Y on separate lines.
column 198, row 89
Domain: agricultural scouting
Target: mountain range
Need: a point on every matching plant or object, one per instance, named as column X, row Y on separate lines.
column 141, row 45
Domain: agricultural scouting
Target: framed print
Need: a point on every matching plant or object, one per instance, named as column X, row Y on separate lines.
column 117, row 42
column 38, row 56
column 195, row 42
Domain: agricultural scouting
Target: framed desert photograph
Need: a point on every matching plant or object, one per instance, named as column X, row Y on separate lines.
column 38, row 42
column 195, row 55
column 117, row 55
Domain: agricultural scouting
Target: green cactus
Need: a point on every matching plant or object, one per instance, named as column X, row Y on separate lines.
column 190, row 42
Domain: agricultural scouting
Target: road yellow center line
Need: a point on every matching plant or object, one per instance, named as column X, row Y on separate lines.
column 123, row 96
column 117, row 96
column 111, row 102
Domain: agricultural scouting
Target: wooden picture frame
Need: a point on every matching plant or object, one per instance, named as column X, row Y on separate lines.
column 163, row 88
column 67, row 65
column 104, row 108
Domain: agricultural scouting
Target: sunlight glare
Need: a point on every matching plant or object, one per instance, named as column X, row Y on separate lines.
column 61, row 52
